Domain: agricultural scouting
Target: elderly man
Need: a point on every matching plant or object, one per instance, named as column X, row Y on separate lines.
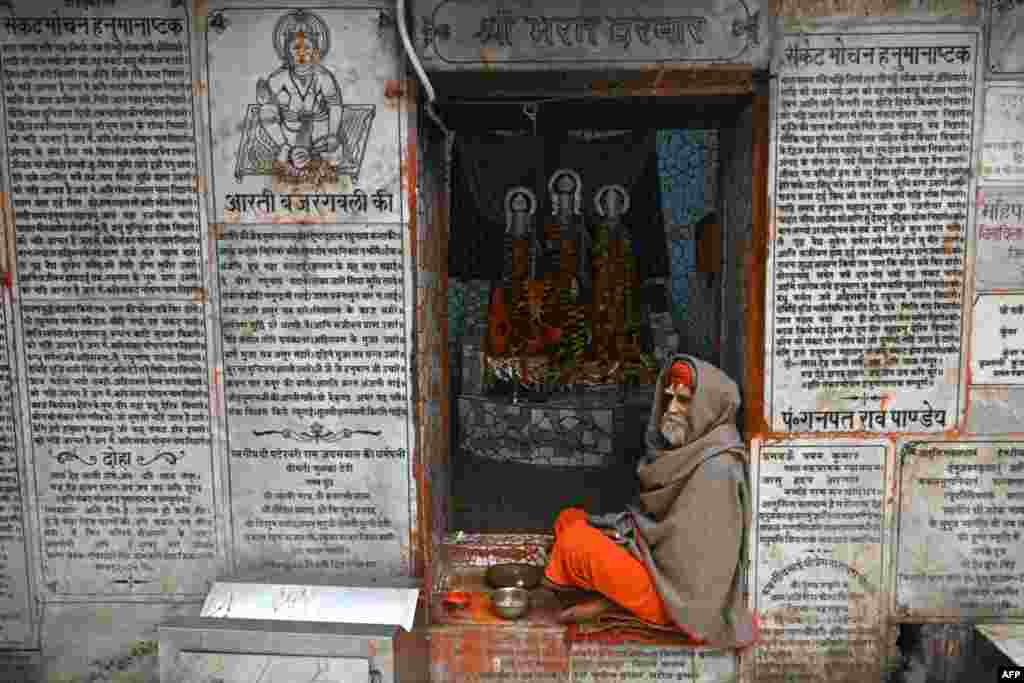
column 675, row 558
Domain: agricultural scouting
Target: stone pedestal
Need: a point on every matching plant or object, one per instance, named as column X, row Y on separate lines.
column 205, row 649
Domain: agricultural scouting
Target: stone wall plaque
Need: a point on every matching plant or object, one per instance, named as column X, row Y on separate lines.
column 316, row 330
column 960, row 520
column 110, row 296
column 818, row 582
column 997, row 349
column 1002, row 148
column 872, row 140
column 494, row 655
column 461, row 34
column 313, row 128
column 1000, row 240
column 596, row 663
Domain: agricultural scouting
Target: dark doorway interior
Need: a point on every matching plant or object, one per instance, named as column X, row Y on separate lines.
column 495, row 494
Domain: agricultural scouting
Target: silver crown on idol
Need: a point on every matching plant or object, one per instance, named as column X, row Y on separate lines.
column 520, row 206
column 566, row 181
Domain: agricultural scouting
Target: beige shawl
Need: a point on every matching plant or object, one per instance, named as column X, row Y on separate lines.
column 690, row 528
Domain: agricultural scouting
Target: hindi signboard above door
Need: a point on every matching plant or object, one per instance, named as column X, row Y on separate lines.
column 464, row 35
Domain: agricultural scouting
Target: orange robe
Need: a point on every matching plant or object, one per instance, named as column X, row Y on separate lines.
column 585, row 558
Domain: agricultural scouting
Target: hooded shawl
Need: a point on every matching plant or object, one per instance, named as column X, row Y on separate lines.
column 690, row 525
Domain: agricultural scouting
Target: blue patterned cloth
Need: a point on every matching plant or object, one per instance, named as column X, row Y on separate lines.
column 681, row 169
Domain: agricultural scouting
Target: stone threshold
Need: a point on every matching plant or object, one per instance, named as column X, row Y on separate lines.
column 465, row 559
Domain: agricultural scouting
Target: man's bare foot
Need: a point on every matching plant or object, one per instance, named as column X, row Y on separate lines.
column 585, row 611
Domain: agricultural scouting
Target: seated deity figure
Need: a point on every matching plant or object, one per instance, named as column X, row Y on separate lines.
column 675, row 557
column 301, row 103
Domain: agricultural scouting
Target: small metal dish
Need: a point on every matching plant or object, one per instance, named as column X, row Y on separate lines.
column 513, row 575
column 510, row 602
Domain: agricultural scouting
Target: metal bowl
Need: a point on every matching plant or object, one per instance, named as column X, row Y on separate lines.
column 511, row 602
column 513, row 575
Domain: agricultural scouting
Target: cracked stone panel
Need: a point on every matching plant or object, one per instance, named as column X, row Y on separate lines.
column 81, row 639
column 211, row 667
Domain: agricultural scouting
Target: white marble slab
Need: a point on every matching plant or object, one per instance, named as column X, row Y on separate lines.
column 336, row 604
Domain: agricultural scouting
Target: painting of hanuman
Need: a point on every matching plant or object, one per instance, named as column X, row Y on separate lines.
column 300, row 105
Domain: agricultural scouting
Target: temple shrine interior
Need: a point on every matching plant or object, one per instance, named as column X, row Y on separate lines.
column 588, row 239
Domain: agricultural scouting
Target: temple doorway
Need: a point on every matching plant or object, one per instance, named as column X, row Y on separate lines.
column 587, row 240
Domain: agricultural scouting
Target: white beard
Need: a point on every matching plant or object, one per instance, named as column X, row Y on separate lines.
column 674, row 429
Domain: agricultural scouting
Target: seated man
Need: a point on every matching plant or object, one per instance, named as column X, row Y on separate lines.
column 677, row 556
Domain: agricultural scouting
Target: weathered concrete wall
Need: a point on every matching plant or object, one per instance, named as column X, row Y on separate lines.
column 208, row 316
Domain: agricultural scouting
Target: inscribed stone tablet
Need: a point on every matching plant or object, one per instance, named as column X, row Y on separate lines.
column 110, row 277
column 997, row 351
column 818, row 571
column 867, row 266
column 961, row 512
column 508, row 655
column 585, row 34
column 1002, row 150
column 593, row 663
column 316, row 362
column 211, row 667
column 1000, row 240
column 317, row 109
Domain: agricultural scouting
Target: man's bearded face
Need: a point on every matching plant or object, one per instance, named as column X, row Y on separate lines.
column 675, row 426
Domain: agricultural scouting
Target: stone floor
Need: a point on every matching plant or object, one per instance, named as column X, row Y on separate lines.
column 501, row 497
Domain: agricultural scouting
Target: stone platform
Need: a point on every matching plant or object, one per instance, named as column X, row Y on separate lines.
column 472, row 645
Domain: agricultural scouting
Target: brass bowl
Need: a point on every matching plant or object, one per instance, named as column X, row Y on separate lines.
column 510, row 602
column 513, row 575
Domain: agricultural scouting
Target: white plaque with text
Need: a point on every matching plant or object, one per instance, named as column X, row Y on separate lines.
column 961, row 515
column 818, row 581
column 997, row 347
column 110, row 297
column 1002, row 158
column 1000, row 240
column 872, row 134
column 308, row 113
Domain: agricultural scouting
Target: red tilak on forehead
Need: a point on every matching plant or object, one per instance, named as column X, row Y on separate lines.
column 681, row 373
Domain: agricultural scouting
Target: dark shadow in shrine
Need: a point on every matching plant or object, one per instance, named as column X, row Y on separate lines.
column 516, row 461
